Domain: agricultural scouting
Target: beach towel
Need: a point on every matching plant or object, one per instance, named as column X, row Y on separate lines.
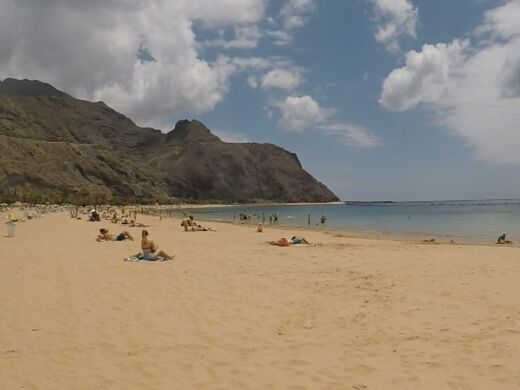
column 139, row 257
column 282, row 244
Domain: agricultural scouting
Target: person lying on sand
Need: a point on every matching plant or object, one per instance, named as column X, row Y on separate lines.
column 104, row 235
column 151, row 251
column 137, row 224
column 200, row 228
column 296, row 240
column 502, row 240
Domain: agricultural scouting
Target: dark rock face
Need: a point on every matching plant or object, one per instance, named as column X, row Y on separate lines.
column 29, row 88
column 50, row 141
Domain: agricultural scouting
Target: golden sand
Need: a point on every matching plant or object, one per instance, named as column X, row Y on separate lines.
column 231, row 312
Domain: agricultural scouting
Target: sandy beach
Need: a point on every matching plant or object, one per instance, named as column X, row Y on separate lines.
column 232, row 312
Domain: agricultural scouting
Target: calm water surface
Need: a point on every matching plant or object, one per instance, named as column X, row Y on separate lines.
column 474, row 221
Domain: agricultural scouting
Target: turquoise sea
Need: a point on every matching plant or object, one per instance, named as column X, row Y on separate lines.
column 466, row 221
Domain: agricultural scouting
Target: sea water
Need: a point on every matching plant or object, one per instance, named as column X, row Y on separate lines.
column 468, row 221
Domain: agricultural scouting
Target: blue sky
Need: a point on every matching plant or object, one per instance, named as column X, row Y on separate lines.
column 380, row 99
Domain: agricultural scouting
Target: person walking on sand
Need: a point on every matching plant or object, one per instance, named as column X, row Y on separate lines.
column 150, row 250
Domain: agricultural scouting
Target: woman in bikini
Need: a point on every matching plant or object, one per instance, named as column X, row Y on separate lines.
column 150, row 250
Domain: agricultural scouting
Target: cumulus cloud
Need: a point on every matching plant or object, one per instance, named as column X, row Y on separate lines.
column 427, row 75
column 509, row 78
column 395, row 19
column 299, row 113
column 502, row 21
column 92, row 49
column 473, row 89
column 286, row 79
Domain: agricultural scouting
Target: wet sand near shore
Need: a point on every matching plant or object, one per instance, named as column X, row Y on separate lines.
column 232, row 312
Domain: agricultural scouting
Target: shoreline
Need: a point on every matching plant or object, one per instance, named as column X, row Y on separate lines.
column 410, row 237
column 413, row 237
column 224, row 205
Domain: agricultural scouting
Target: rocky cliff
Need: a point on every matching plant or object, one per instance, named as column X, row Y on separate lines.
column 53, row 145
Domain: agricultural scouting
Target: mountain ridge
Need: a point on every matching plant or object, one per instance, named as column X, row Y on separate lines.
column 56, row 145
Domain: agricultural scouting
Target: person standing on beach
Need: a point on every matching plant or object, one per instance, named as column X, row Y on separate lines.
column 309, row 219
column 275, row 219
column 270, row 220
column 263, row 217
column 323, row 220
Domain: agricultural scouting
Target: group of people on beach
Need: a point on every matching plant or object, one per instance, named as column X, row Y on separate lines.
column 150, row 250
column 190, row 225
column 273, row 219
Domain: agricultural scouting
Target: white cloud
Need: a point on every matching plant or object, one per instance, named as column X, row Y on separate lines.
column 245, row 37
column 502, row 21
column 252, row 82
column 268, row 73
column 294, row 14
column 426, row 76
column 395, row 19
column 252, row 63
column 299, row 113
column 474, row 90
column 509, row 78
column 89, row 49
column 353, row 135
column 286, row 79
column 280, row 37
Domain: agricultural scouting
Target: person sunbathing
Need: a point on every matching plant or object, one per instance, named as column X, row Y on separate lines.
column 295, row 240
column 137, row 224
column 104, row 235
column 200, row 228
column 502, row 240
column 150, row 250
